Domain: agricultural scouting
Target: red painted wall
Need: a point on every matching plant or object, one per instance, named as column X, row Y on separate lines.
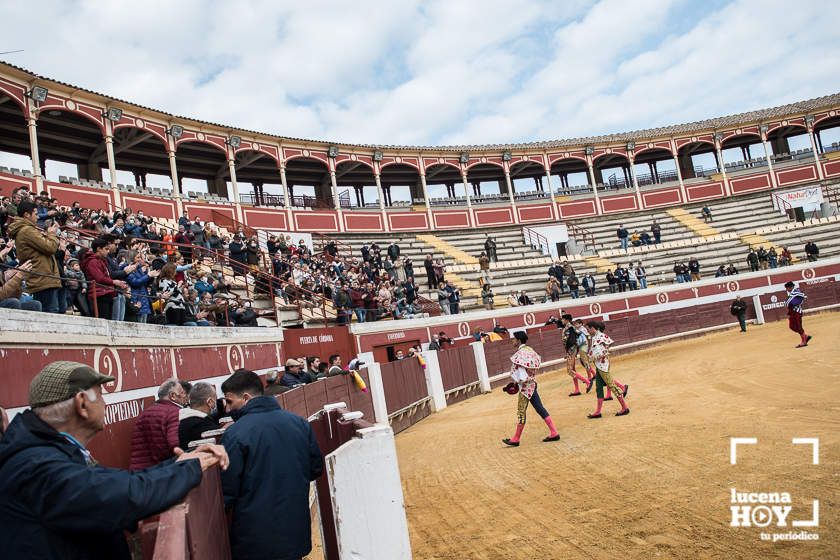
column 266, row 219
column 451, row 219
column 621, row 203
column 703, row 192
column 577, row 208
column 747, row 184
column 787, row 177
column 534, row 212
column 494, row 217
column 362, row 221
column 661, row 197
column 408, row 221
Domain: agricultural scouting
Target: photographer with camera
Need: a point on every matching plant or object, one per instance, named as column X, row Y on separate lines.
column 33, row 244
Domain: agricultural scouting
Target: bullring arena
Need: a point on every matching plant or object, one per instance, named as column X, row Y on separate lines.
column 731, row 446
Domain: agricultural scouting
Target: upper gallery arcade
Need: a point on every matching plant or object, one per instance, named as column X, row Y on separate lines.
column 408, row 187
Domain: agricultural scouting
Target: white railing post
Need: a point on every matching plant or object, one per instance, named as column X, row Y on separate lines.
column 481, row 366
column 434, row 381
column 377, row 389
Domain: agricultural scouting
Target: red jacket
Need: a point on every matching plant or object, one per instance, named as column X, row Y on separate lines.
column 155, row 435
column 96, row 270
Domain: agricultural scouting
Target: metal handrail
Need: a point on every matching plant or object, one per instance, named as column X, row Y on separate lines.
column 536, row 240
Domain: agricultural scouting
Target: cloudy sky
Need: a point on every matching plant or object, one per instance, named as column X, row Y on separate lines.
column 439, row 72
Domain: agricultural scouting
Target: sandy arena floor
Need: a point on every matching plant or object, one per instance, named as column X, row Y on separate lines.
column 655, row 483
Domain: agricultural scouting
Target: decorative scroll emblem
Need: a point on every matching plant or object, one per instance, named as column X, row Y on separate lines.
column 255, row 147
column 71, row 104
column 200, row 136
column 235, row 357
column 106, row 360
column 139, row 123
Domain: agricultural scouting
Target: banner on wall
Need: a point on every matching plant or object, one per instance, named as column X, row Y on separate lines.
column 809, row 199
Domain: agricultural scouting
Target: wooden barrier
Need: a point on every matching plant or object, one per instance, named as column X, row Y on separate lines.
column 459, row 373
column 406, row 394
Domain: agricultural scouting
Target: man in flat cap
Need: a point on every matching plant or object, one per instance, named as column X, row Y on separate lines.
column 55, row 501
column 294, row 374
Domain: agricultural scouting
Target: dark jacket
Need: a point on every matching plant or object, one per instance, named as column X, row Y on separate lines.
column 193, row 424
column 96, row 270
column 289, row 379
column 273, row 458
column 155, row 435
column 54, row 505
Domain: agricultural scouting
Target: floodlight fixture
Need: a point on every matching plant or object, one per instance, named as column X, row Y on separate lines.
column 38, row 94
column 176, row 131
column 809, row 120
column 589, row 150
column 377, row 155
column 464, row 158
column 234, row 142
column 332, row 151
column 507, row 156
column 113, row 114
column 631, row 146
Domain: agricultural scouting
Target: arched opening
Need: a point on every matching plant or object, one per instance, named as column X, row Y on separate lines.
column 827, row 134
column 258, row 178
column 444, row 184
column 309, row 183
column 357, row 179
column 401, row 185
column 202, row 167
column 69, row 144
column 141, row 161
column 526, row 178
column 487, row 183
column 573, row 174
column 789, row 143
column 743, row 151
column 655, row 166
column 697, row 159
column 612, row 172
column 15, row 151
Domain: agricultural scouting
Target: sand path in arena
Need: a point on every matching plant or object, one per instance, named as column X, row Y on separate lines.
column 655, row 483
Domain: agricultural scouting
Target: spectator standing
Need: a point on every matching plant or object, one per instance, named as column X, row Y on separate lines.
column 694, row 269
column 237, row 254
column 484, row 266
column 552, row 289
column 393, row 251
column 101, row 287
column 454, row 299
column 752, row 260
column 574, row 286
column 55, row 501
column 811, row 251
column 588, row 283
column 612, row 281
column 622, row 235
column 155, row 434
column 773, row 257
column 763, row 258
column 75, row 286
column 431, row 277
column 273, row 459
column 32, row 244
column 443, row 299
column 199, row 416
column 490, row 249
column 739, row 310
column 139, row 281
column 641, row 275
column 656, row 230
column 678, row 273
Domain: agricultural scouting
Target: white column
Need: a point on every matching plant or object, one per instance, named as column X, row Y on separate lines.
column 377, row 389
column 632, row 157
column 32, row 124
column 173, row 171
column 767, row 153
column 287, row 200
column 112, row 165
column 434, row 381
column 334, row 187
column 511, row 196
column 425, row 194
column 379, row 191
column 727, row 191
column 820, row 173
column 550, row 188
column 592, row 182
column 481, row 366
column 679, row 173
column 232, row 170
column 466, row 187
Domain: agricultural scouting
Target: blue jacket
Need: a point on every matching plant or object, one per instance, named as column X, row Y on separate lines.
column 139, row 280
column 273, row 458
column 54, row 505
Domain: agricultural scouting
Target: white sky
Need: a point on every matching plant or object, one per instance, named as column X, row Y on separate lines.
column 439, row 72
